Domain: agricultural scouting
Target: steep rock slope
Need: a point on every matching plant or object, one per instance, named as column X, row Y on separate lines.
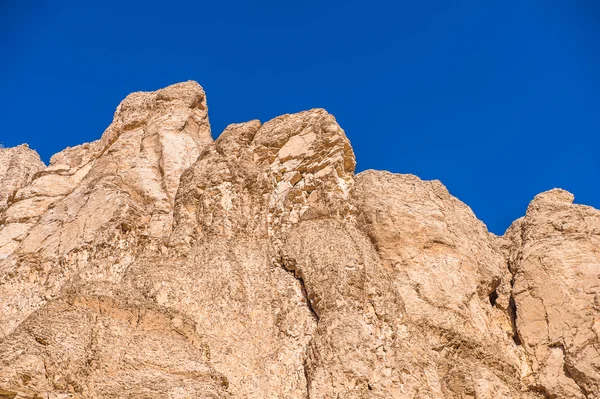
column 555, row 259
column 156, row 263
column 74, row 214
column 443, row 264
column 18, row 165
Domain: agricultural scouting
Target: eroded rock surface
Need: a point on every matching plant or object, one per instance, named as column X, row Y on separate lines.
column 75, row 218
column 158, row 263
column 444, row 266
column 555, row 259
column 18, row 165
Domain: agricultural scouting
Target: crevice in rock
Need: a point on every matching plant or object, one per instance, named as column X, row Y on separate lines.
column 567, row 372
column 308, row 301
column 305, row 369
column 493, row 297
column 569, row 375
column 512, row 309
column 290, row 268
column 512, row 314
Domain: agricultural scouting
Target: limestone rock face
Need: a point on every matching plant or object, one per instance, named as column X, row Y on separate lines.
column 443, row 264
column 158, row 263
column 17, row 167
column 74, row 217
column 555, row 259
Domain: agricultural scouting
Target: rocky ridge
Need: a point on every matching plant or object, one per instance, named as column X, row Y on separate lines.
column 157, row 262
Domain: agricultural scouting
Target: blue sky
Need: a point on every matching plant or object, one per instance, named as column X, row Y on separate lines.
column 499, row 100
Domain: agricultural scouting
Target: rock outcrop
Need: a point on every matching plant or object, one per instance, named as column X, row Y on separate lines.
column 18, row 165
column 158, row 263
column 555, row 261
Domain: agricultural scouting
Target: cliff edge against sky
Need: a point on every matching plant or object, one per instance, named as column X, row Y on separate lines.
column 158, row 263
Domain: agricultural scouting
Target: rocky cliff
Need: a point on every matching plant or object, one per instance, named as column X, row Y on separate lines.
column 158, row 263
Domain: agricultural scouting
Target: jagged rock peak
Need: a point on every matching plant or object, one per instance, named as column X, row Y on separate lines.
column 18, row 165
column 136, row 107
column 158, row 263
column 554, row 196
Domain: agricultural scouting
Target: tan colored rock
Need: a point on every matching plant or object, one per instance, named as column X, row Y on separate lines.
column 95, row 200
column 18, row 165
column 231, row 209
column 156, row 263
column 445, row 268
column 555, row 259
column 79, row 347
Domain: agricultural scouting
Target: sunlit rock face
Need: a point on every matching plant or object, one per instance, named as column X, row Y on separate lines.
column 158, row 263
column 555, row 261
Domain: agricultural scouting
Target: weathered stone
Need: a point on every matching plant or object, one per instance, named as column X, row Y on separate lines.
column 445, row 268
column 156, row 263
column 555, row 260
column 18, row 165
column 81, row 213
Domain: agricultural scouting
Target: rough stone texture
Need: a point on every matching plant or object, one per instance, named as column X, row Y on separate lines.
column 158, row 263
column 17, row 167
column 444, row 266
column 555, row 258
column 73, row 219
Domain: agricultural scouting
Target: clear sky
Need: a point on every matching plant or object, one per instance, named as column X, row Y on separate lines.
column 499, row 100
